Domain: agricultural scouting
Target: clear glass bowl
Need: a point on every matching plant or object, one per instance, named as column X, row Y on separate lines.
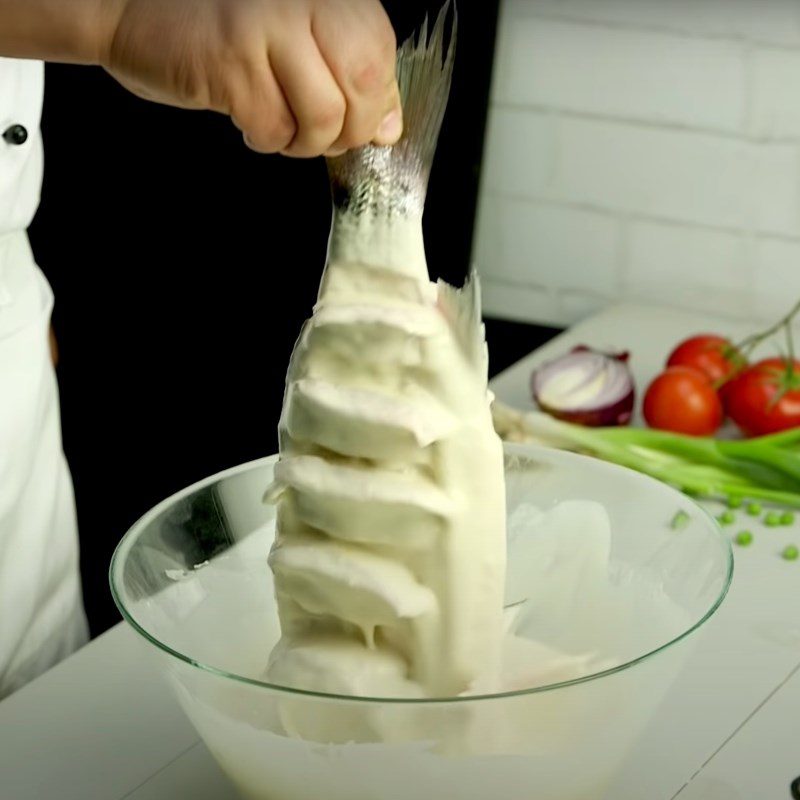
column 192, row 578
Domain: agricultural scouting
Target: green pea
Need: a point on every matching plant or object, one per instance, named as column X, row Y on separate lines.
column 787, row 518
column 734, row 501
column 773, row 519
column 753, row 509
column 790, row 553
column 680, row 521
column 726, row 518
column 743, row 538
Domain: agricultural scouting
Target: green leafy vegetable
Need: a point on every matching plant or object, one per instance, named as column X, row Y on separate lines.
column 766, row 468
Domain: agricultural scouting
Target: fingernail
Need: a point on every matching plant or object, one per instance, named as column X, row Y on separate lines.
column 391, row 128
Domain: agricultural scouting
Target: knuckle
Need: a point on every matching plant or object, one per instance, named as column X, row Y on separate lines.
column 283, row 130
column 268, row 124
column 369, row 76
column 259, row 145
column 328, row 115
column 376, row 66
column 270, row 138
column 387, row 43
column 253, row 144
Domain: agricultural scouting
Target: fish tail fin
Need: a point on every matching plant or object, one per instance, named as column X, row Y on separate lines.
column 424, row 75
column 392, row 180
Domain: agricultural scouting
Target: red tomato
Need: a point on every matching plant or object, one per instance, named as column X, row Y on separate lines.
column 713, row 355
column 683, row 400
column 765, row 398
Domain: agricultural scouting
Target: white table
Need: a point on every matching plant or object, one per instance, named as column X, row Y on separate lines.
column 102, row 726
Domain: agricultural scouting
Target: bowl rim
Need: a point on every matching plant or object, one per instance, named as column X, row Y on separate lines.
column 534, row 452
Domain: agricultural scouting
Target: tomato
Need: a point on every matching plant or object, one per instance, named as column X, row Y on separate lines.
column 683, row 400
column 765, row 398
column 713, row 355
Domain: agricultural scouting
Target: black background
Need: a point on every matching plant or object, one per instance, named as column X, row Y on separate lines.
column 183, row 266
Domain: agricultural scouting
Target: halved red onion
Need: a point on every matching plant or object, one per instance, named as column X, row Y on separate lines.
column 586, row 387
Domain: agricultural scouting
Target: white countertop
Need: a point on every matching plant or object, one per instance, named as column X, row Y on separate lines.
column 103, row 726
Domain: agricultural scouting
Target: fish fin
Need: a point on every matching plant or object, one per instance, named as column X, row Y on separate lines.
column 393, row 180
column 424, row 75
column 462, row 308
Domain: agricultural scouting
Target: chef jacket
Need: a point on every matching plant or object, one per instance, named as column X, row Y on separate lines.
column 41, row 613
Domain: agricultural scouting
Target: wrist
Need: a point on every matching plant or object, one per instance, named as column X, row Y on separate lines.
column 98, row 36
column 70, row 31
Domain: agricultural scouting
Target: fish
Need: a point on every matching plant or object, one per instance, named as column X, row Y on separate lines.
column 390, row 551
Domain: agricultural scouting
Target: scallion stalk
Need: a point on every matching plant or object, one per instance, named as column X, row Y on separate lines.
column 764, row 468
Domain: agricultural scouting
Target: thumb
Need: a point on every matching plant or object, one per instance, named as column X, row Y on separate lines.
column 391, row 128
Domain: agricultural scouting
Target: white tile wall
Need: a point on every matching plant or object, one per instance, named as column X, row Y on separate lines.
column 776, row 113
column 583, row 243
column 778, row 270
column 652, row 76
column 696, row 268
column 768, row 21
column 678, row 175
column 644, row 149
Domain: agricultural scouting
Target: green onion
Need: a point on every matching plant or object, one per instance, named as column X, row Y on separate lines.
column 765, row 468
column 743, row 538
column 790, row 553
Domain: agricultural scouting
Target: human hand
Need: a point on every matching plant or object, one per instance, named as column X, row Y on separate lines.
column 299, row 77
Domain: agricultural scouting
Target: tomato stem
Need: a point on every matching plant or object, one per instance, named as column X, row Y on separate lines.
column 739, row 353
column 749, row 343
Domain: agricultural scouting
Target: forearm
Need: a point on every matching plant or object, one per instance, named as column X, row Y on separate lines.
column 71, row 31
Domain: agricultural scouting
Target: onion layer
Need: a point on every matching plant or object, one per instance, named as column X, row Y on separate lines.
column 586, row 387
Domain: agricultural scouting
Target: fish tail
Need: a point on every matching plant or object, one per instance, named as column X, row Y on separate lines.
column 389, row 180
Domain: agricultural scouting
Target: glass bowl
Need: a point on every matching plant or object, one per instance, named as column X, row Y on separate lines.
column 631, row 585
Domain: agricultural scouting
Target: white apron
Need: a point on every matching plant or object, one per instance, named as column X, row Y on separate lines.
column 41, row 613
